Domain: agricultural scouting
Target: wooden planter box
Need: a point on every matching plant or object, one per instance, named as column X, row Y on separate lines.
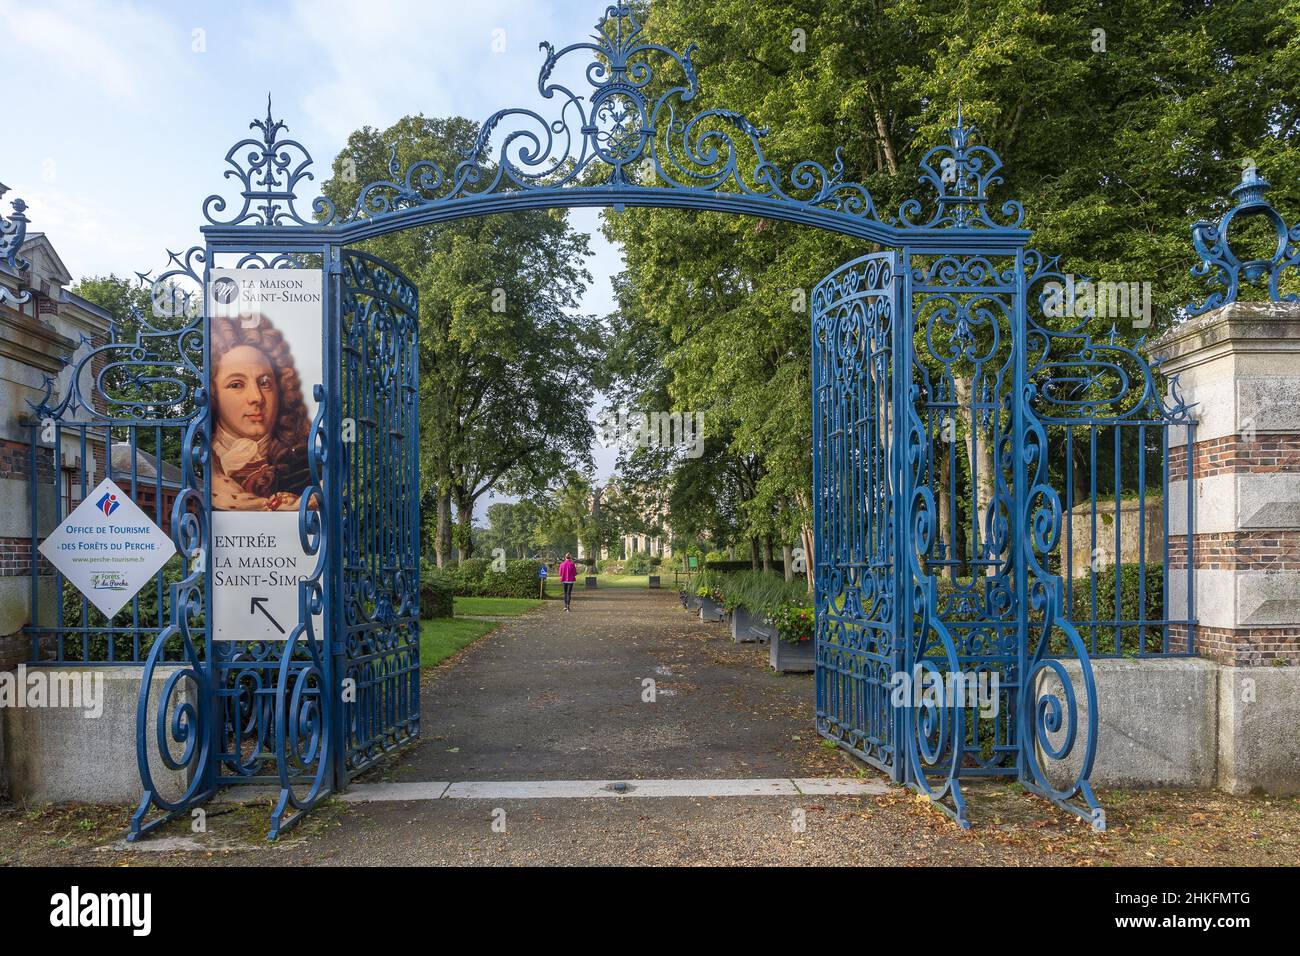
column 654, row 580
column 710, row 611
column 590, row 581
column 742, row 627
column 692, row 602
column 788, row 658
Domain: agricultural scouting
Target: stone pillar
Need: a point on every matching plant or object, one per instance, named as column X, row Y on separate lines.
column 1240, row 365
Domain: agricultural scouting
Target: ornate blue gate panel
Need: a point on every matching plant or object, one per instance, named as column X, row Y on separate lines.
column 854, row 319
column 379, row 646
column 962, row 556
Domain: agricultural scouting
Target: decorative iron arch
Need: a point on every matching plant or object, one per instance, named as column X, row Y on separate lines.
column 615, row 144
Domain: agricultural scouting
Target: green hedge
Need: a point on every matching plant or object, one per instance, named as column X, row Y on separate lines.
column 475, row 578
column 1130, row 603
column 154, row 613
column 641, row 563
column 437, row 593
column 732, row 566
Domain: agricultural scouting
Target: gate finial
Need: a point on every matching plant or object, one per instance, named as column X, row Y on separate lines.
column 1219, row 262
column 961, row 176
column 269, row 170
column 13, row 233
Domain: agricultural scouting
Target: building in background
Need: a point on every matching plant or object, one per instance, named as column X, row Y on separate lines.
column 44, row 330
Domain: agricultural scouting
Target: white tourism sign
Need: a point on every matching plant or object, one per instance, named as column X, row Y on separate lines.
column 108, row 549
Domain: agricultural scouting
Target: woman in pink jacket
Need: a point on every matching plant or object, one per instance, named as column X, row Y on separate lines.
column 568, row 576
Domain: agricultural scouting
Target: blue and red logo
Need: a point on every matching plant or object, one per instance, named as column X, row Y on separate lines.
column 108, row 504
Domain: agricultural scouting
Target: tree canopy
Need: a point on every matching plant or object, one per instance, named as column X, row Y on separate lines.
column 507, row 368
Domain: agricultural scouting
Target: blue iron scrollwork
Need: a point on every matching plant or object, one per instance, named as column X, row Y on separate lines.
column 854, row 312
column 1048, row 706
column 1220, row 263
column 934, row 553
column 157, row 373
column 611, row 135
column 961, row 175
column 304, row 698
column 378, row 498
column 269, row 171
column 13, row 233
column 184, row 712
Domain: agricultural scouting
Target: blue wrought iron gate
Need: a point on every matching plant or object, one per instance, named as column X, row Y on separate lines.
column 855, row 333
column 940, row 615
column 939, row 394
column 378, row 637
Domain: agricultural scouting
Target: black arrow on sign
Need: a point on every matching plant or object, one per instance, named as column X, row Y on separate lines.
column 257, row 605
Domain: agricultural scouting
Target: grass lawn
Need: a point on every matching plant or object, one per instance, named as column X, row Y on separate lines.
column 623, row 580
column 444, row 636
column 494, row 607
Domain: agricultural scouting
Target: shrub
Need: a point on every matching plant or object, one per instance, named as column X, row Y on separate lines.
column 437, row 593
column 711, row 585
column 155, row 611
column 638, row 563
column 1130, row 602
column 518, row 580
column 725, row 565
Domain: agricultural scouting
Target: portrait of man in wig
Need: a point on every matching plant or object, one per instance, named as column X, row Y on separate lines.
column 260, row 424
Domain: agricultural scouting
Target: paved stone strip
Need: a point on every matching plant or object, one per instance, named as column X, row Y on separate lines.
column 586, row 789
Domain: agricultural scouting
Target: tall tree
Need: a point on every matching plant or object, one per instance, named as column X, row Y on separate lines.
column 1118, row 124
column 506, row 367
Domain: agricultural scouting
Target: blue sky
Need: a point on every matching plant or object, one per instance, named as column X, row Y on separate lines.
column 128, row 108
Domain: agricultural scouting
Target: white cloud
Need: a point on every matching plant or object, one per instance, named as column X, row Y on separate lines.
column 107, row 48
column 374, row 61
column 94, row 238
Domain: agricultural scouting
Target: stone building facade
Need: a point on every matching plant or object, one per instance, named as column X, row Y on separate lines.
column 44, row 330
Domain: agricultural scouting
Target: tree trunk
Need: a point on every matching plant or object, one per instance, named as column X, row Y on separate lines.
column 767, row 554
column 804, row 503
column 980, row 456
column 806, row 538
column 787, row 559
column 753, row 553
column 442, row 540
column 465, row 525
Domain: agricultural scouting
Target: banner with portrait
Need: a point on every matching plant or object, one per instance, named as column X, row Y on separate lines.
column 266, row 353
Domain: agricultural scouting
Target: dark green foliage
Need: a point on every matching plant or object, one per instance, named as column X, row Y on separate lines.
column 154, row 606
column 638, row 563
column 475, row 578
column 725, row 566
column 437, row 593
column 1139, row 599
